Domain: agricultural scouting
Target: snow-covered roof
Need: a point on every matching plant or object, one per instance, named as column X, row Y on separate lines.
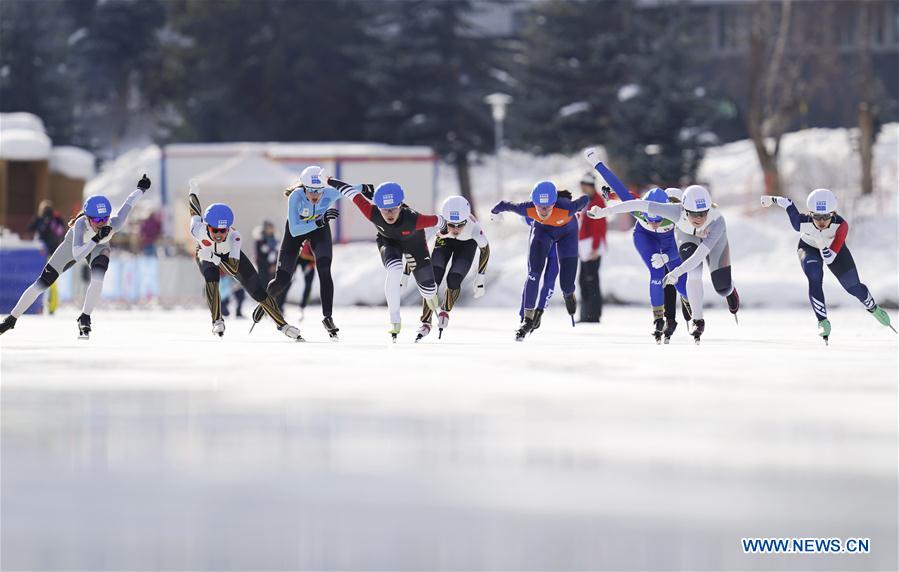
column 21, row 120
column 247, row 170
column 73, row 162
column 282, row 151
column 24, row 145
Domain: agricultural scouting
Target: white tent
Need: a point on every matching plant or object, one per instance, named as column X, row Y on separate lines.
column 249, row 183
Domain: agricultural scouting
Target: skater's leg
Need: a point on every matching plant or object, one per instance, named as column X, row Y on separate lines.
column 248, row 278
column 669, row 248
column 843, row 267
column 550, row 275
column 722, row 281
column 48, row 276
column 211, row 276
column 568, row 260
column 287, row 263
column 812, row 265
column 646, row 246
column 99, row 265
column 463, row 257
column 322, row 247
column 694, row 281
column 392, row 258
column 588, row 280
column 308, row 277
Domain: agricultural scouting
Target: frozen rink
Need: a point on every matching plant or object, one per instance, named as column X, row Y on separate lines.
column 156, row 447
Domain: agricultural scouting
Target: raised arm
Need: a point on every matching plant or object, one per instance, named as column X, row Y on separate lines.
column 666, row 210
column 623, row 193
column 363, row 204
column 787, row 205
column 121, row 215
column 520, row 209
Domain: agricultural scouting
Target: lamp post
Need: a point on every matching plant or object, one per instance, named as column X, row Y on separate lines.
column 498, row 103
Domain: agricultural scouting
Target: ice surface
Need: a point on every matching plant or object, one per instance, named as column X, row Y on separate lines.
column 155, row 446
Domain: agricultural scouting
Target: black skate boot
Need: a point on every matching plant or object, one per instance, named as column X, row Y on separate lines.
column 698, row 329
column 526, row 327
column 8, row 323
column 686, row 310
column 670, row 326
column 733, row 303
column 84, row 327
column 258, row 314
column 538, row 317
column 571, row 306
column 659, row 330
column 328, row 322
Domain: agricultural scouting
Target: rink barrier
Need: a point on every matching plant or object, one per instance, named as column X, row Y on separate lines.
column 19, row 267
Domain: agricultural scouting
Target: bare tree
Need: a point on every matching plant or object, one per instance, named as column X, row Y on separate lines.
column 775, row 88
column 867, row 108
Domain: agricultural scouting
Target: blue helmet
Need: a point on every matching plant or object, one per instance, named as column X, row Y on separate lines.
column 655, row 195
column 544, row 194
column 97, row 206
column 218, row 215
column 389, row 195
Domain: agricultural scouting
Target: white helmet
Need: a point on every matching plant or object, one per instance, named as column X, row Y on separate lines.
column 697, row 199
column 455, row 209
column 675, row 193
column 313, row 177
column 821, row 201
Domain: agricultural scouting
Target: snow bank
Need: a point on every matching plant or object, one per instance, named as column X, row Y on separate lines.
column 73, row 162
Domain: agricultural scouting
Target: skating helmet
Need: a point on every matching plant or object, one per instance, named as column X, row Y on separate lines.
column 455, row 210
column 544, row 194
column 313, row 177
column 655, row 195
column 675, row 193
column 218, row 215
column 697, row 199
column 821, row 201
column 97, row 206
column 389, row 195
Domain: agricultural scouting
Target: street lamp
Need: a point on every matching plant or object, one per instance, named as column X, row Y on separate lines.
column 498, row 103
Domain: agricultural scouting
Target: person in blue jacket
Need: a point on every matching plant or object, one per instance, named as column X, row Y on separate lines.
column 654, row 240
column 555, row 226
column 310, row 209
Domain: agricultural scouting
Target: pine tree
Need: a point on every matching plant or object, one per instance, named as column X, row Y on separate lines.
column 428, row 79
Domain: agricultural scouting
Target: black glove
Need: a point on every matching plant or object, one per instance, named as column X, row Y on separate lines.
column 144, row 183
column 329, row 215
column 102, row 233
column 606, row 192
column 368, row 191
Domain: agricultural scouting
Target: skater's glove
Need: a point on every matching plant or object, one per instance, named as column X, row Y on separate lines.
column 606, row 192
column 769, row 200
column 591, row 154
column 102, row 233
column 326, row 218
column 659, row 260
column 596, row 212
column 828, row 255
column 479, row 289
column 671, row 278
column 144, row 183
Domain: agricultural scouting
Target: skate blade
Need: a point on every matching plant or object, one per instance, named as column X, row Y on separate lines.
column 736, row 319
column 666, row 341
column 83, row 337
column 440, row 334
column 890, row 326
column 826, row 341
column 253, row 325
column 572, row 321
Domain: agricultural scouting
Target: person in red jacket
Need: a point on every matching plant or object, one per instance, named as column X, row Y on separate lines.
column 591, row 245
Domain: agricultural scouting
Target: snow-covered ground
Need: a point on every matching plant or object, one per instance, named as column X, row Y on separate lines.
column 155, row 446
